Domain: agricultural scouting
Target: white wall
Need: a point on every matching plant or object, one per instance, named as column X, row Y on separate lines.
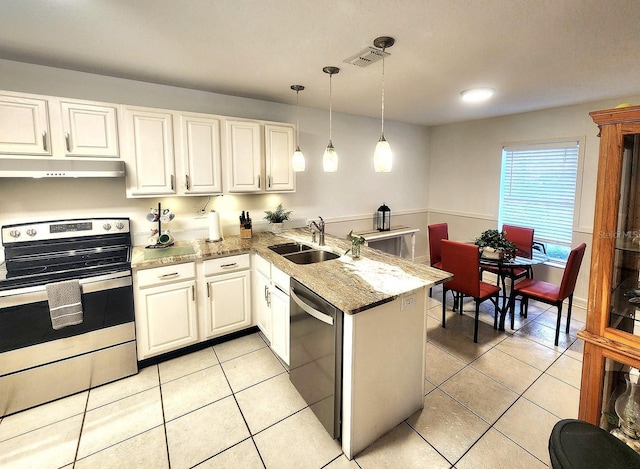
column 464, row 172
column 347, row 199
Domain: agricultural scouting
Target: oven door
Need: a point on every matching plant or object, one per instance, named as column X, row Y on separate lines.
column 25, row 322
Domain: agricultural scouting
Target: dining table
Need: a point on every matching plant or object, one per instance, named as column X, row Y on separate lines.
column 507, row 266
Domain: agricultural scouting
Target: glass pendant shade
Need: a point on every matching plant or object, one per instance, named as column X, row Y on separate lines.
column 298, row 161
column 382, row 156
column 330, row 159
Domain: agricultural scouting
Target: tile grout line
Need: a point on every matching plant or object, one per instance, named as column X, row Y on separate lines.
column 84, row 416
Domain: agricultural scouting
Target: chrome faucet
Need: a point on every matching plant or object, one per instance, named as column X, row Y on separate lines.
column 320, row 228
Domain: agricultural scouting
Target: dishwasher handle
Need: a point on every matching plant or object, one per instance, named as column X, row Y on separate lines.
column 319, row 315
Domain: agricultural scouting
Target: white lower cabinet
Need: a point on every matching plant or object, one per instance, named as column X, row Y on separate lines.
column 166, row 313
column 182, row 304
column 228, row 296
column 271, row 305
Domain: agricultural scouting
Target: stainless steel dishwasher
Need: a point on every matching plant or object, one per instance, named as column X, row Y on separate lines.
column 316, row 355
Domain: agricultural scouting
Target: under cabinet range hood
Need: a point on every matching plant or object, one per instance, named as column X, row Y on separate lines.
column 41, row 168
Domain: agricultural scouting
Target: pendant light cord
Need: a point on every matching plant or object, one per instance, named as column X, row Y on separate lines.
column 330, row 95
column 297, row 121
column 382, row 129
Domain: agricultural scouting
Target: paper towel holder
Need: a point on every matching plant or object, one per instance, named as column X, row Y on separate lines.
column 209, row 240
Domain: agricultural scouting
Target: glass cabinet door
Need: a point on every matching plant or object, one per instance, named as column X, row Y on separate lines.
column 625, row 297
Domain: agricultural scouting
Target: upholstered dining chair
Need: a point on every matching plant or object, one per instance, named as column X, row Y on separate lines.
column 523, row 239
column 550, row 293
column 463, row 261
column 437, row 232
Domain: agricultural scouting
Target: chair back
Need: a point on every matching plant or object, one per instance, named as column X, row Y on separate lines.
column 521, row 237
column 437, row 233
column 463, row 261
column 570, row 275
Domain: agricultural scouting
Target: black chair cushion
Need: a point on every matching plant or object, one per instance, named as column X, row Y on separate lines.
column 575, row 444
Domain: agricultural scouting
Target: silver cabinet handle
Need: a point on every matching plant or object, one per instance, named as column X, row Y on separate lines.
column 268, row 297
column 166, row 276
column 266, row 292
column 193, row 292
column 44, row 140
column 227, row 266
column 269, row 181
column 208, row 290
column 258, row 181
column 172, row 179
column 186, row 177
column 67, row 139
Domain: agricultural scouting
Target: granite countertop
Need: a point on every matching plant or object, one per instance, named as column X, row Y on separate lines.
column 350, row 285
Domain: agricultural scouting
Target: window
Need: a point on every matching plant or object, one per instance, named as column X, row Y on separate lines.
column 537, row 190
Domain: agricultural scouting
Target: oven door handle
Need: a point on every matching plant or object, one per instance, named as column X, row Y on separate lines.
column 87, row 286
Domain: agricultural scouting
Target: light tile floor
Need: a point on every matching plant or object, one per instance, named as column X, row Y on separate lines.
column 491, row 404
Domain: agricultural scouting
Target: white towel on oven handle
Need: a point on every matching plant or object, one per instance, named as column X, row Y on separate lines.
column 65, row 303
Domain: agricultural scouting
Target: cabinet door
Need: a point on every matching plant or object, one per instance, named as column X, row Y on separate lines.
column 280, row 323
column 166, row 318
column 261, row 308
column 278, row 142
column 244, row 153
column 200, row 155
column 148, row 136
column 228, row 303
column 89, row 129
column 24, row 126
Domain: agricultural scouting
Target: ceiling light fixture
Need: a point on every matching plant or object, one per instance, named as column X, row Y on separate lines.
column 477, row 95
column 330, row 157
column 382, row 156
column 297, row 161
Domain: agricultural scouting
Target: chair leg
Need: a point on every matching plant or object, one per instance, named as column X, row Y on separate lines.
column 558, row 322
column 430, row 292
column 512, row 309
column 569, row 312
column 495, row 312
column 475, row 327
column 444, row 305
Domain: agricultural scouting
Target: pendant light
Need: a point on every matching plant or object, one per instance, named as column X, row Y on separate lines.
column 297, row 160
column 382, row 157
column 330, row 157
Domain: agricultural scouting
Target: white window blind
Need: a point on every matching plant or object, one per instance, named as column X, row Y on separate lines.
column 538, row 187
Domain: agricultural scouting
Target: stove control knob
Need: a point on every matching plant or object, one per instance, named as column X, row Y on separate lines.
column 32, row 232
column 14, row 233
column 106, row 226
column 119, row 225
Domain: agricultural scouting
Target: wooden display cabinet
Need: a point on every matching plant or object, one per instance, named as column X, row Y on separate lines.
column 612, row 332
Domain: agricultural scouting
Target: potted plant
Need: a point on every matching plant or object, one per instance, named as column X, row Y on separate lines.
column 277, row 217
column 356, row 242
column 494, row 245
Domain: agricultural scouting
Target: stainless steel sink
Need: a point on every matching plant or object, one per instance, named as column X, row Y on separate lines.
column 289, row 248
column 311, row 256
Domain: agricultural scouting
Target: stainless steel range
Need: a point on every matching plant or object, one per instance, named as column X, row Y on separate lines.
column 84, row 264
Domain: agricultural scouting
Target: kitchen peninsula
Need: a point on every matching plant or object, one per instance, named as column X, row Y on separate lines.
column 384, row 301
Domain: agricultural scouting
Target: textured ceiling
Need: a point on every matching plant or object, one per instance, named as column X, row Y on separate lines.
column 536, row 53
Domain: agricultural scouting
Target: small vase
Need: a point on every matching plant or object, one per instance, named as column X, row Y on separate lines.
column 628, row 409
column 276, row 228
column 355, row 251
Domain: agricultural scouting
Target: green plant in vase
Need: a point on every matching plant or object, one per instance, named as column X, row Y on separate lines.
column 277, row 217
column 493, row 244
column 356, row 242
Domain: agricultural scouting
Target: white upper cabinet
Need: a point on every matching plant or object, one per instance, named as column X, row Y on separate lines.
column 259, row 156
column 244, row 151
column 24, row 126
column 147, row 136
column 278, row 162
column 89, row 129
column 200, row 147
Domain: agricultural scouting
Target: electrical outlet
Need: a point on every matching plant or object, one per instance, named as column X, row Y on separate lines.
column 408, row 302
